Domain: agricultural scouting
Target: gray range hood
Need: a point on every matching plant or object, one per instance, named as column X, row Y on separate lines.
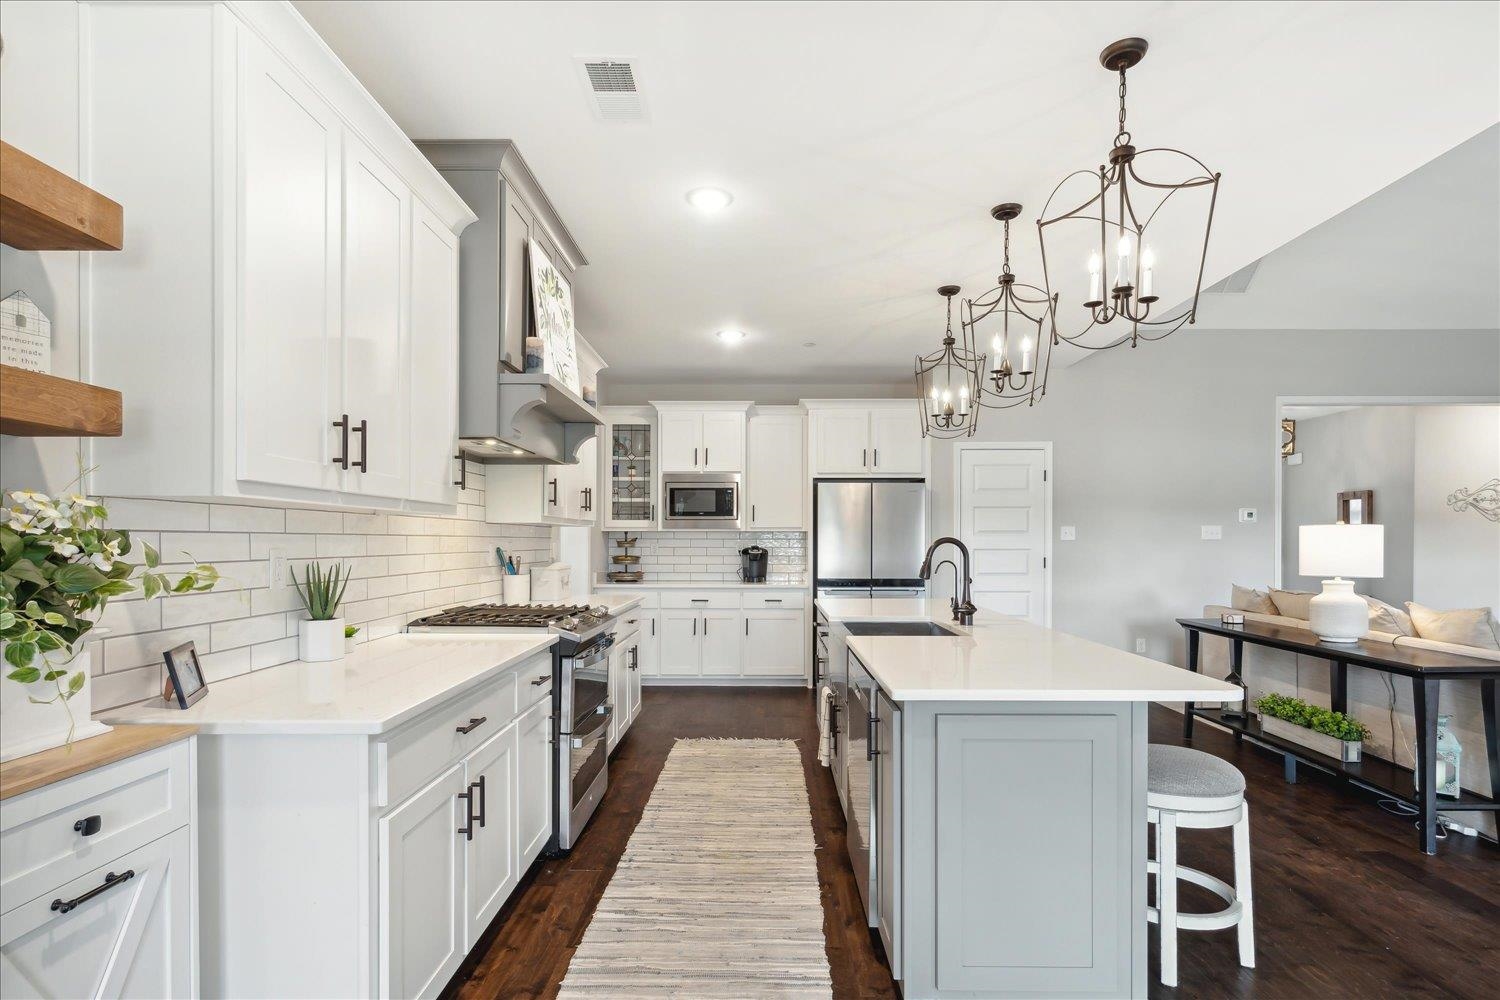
column 503, row 414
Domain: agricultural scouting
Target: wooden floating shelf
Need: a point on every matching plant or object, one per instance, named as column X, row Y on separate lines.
column 42, row 208
column 37, row 405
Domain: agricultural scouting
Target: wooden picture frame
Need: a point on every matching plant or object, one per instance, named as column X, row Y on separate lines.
column 185, row 682
column 1356, row 507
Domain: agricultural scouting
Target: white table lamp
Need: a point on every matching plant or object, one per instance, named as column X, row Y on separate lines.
column 1338, row 614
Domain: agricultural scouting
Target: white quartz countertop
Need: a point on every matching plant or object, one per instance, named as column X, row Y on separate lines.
column 1001, row 658
column 374, row 689
column 616, row 602
column 702, row 585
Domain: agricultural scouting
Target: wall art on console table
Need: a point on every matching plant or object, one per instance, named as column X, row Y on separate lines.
column 552, row 317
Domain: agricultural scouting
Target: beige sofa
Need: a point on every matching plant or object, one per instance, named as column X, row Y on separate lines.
column 1370, row 697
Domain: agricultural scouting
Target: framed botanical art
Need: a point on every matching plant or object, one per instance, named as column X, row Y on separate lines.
column 552, row 318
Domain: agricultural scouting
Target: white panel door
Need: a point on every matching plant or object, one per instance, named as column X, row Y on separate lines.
column 681, row 441
column 775, row 472
column 617, row 671
column 287, row 345
column 774, row 644
column 377, row 235
column 721, row 642
column 491, row 858
column 534, row 780
column 633, row 682
column 134, row 939
column 723, row 441
column 649, row 643
column 896, row 441
column 434, row 358
column 422, row 889
column 679, row 643
column 580, row 486
column 841, row 442
column 1003, row 520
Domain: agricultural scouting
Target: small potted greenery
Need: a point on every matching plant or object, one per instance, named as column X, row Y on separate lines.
column 350, row 631
column 60, row 565
column 320, row 636
column 1331, row 733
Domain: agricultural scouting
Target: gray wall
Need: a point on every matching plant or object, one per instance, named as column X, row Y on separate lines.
column 1151, row 443
column 1366, row 448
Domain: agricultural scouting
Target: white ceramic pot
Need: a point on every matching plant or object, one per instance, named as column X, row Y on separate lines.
column 28, row 728
column 321, row 640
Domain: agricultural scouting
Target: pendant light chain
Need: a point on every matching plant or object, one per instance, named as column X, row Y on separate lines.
column 1122, row 137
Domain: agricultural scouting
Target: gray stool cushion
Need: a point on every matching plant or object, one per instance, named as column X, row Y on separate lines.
column 1190, row 773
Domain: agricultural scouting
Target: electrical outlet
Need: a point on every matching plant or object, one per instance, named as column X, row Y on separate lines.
column 1067, row 533
column 280, row 575
column 1140, row 646
column 1248, row 515
column 1212, row 532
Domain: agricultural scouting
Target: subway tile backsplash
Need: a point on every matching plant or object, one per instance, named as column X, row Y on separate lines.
column 403, row 566
column 713, row 556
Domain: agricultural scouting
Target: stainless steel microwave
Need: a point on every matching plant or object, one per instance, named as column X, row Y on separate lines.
column 702, row 500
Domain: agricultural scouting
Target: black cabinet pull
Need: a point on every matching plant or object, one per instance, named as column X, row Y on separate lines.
column 363, row 430
column 110, row 881
column 653, row 626
column 553, row 484
column 479, row 785
column 752, row 513
column 544, row 678
column 342, row 461
column 699, row 600
column 870, row 750
column 705, row 456
column 468, row 828
column 88, row 826
column 473, row 725
column 695, row 626
column 705, row 626
column 695, row 458
column 588, row 498
column 462, row 482
column 635, row 657
column 877, row 458
column 747, row 626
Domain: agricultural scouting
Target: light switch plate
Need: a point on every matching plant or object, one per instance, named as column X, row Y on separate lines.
column 1140, row 646
column 1248, row 515
column 1212, row 532
column 1067, row 533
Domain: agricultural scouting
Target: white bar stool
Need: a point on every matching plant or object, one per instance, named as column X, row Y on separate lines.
column 1196, row 790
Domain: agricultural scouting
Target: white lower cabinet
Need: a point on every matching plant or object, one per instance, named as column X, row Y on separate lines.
column 534, row 780
column 722, row 636
column 491, row 855
column 624, row 682
column 422, row 889
column 108, row 913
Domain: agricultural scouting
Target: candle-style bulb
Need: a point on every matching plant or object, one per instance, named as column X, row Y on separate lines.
column 1096, row 277
column 1096, row 265
column 1148, row 273
column 1025, row 355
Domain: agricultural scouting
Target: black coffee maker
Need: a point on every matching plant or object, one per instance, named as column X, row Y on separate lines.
column 753, row 560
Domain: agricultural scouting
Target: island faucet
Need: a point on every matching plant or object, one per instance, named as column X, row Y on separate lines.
column 963, row 609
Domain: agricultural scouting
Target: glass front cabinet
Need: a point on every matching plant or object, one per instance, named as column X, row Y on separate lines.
column 630, row 467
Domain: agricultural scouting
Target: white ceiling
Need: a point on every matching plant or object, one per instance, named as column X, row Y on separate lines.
column 864, row 145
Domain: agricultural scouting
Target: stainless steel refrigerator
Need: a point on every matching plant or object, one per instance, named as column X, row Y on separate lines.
column 869, row 536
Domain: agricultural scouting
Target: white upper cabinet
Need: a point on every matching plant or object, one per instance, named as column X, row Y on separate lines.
column 865, row 438
column 290, row 259
column 775, row 472
column 545, row 494
column 702, row 437
column 377, row 382
column 290, row 155
column 434, row 358
column 896, row 441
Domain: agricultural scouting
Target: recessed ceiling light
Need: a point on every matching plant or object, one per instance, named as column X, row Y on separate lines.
column 709, row 199
column 731, row 337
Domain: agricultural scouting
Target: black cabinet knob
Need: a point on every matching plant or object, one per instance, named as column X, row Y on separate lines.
column 88, row 826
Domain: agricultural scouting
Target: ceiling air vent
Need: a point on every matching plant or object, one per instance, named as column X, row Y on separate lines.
column 1238, row 282
column 614, row 87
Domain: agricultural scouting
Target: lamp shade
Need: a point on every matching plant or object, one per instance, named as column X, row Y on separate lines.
column 1356, row 550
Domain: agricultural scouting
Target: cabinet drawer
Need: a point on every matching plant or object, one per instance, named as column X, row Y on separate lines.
column 137, row 800
column 776, row 600
column 534, row 682
column 649, row 599
column 411, row 756
column 704, row 599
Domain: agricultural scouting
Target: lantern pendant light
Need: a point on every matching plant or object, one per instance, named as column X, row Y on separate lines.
column 948, row 383
column 1126, row 196
column 1021, row 323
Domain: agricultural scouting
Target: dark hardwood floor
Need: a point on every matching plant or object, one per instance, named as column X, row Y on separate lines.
column 1345, row 906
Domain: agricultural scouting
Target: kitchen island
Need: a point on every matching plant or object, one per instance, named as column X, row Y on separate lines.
column 994, row 782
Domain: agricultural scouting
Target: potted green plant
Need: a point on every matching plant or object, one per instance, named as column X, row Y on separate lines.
column 320, row 636
column 60, row 564
column 1331, row 733
column 350, row 631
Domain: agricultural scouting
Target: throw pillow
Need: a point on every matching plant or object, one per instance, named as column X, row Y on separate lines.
column 1385, row 618
column 1293, row 603
column 1250, row 599
column 1465, row 626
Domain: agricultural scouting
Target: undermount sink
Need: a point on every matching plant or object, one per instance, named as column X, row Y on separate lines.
column 898, row 628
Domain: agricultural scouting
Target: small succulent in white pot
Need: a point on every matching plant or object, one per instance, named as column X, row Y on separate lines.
column 320, row 636
column 60, row 565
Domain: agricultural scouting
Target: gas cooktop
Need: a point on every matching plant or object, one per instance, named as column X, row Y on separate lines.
column 572, row 620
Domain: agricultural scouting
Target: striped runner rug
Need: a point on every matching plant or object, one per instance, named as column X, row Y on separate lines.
column 717, row 894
